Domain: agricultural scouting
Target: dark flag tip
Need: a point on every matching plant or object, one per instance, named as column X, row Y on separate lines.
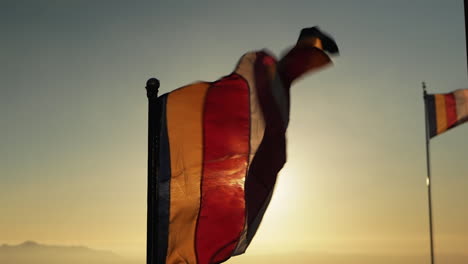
column 328, row 43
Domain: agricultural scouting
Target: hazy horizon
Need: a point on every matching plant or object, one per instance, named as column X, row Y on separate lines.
column 73, row 110
column 32, row 252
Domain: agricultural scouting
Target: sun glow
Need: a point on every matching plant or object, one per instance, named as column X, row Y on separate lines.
column 285, row 193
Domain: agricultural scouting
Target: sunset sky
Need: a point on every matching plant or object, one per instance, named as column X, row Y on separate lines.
column 73, row 114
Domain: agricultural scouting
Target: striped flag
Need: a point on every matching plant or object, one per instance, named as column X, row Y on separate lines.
column 446, row 111
column 222, row 146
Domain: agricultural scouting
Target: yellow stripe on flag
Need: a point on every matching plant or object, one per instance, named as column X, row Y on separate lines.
column 441, row 113
column 184, row 125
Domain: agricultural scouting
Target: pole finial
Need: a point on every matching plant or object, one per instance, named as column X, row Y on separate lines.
column 424, row 87
column 152, row 87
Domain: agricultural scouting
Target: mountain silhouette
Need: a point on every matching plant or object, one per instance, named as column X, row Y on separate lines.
column 30, row 252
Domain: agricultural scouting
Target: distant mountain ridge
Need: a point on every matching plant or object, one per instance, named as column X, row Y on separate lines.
column 30, row 252
column 29, row 244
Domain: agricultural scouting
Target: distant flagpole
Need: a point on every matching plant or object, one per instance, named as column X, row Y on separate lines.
column 466, row 30
column 428, row 161
column 154, row 113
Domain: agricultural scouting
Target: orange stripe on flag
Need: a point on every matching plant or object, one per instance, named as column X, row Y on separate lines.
column 441, row 115
column 184, row 125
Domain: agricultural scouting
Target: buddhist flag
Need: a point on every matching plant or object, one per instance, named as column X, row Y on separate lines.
column 222, row 145
column 445, row 111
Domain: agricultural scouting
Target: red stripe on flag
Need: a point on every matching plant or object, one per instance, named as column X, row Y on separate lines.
column 301, row 60
column 451, row 110
column 226, row 154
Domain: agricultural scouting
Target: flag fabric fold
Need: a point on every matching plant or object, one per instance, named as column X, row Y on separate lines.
column 222, row 146
column 446, row 111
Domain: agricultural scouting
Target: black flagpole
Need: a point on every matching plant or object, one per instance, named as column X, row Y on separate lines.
column 154, row 113
column 428, row 179
column 466, row 30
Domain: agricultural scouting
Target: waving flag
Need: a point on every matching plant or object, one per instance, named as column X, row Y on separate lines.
column 222, row 145
column 446, row 111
